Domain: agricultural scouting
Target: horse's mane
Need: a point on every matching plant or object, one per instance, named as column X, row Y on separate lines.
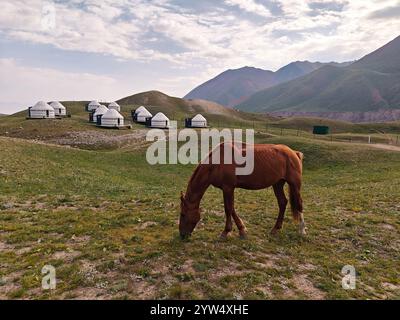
column 195, row 172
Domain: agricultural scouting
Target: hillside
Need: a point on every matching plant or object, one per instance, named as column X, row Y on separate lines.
column 110, row 218
column 386, row 59
column 330, row 89
column 360, row 87
column 232, row 87
column 179, row 109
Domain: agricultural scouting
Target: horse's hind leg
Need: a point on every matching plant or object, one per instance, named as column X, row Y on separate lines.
column 282, row 202
column 228, row 214
column 229, row 196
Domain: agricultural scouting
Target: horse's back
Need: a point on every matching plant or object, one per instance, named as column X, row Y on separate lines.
column 272, row 163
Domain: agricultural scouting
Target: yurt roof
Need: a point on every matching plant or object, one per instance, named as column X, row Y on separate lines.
column 112, row 114
column 94, row 103
column 144, row 113
column 100, row 110
column 199, row 117
column 140, row 109
column 41, row 105
column 57, row 105
column 160, row 117
column 113, row 104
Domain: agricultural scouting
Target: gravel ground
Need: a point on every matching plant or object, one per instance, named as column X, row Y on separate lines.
column 96, row 140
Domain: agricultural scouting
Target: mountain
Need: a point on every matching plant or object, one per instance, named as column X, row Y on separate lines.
column 386, row 59
column 300, row 68
column 232, row 87
column 368, row 85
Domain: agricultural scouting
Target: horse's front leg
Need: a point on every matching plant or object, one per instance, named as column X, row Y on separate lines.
column 229, row 199
column 228, row 223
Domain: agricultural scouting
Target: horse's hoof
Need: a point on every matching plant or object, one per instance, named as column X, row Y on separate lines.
column 302, row 230
column 243, row 234
column 224, row 235
column 275, row 232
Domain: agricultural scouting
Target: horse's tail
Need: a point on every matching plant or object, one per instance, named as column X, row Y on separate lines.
column 296, row 202
column 300, row 155
column 294, row 174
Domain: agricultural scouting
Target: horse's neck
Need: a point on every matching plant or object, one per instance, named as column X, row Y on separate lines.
column 198, row 185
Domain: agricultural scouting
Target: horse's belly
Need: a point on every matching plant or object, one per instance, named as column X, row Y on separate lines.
column 254, row 182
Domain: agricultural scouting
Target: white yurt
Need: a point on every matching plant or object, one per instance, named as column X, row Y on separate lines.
column 115, row 106
column 112, row 118
column 99, row 112
column 198, row 121
column 93, row 105
column 142, row 116
column 140, row 109
column 41, row 110
column 59, row 109
column 160, row 120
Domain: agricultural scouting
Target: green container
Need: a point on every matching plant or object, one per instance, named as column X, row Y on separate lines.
column 321, row 130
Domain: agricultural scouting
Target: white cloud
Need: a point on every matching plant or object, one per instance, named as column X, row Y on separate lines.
column 23, row 86
column 250, row 6
column 119, row 28
column 212, row 40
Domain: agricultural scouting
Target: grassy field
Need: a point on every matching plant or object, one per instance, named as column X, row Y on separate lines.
column 107, row 221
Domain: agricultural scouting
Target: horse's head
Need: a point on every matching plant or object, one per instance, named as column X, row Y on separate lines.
column 189, row 218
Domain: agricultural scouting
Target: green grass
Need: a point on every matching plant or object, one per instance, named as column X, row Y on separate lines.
column 108, row 222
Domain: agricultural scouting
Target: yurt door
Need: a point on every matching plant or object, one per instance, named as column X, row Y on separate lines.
column 47, row 113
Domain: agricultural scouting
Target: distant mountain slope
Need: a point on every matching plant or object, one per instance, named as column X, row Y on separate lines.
column 371, row 84
column 386, row 59
column 232, row 87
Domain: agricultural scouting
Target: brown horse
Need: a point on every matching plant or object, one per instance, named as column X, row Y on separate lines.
column 274, row 165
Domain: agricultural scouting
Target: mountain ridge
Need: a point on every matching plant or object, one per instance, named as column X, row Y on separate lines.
column 234, row 86
column 368, row 85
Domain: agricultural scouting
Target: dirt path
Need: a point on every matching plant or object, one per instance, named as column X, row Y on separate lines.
column 385, row 147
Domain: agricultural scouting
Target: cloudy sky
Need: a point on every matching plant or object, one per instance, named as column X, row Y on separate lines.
column 105, row 50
